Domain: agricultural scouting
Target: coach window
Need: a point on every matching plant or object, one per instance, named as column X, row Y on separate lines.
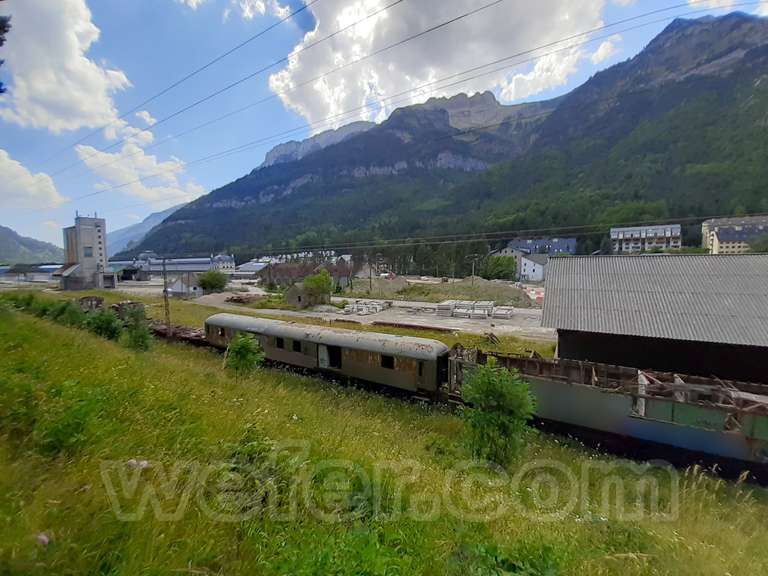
column 297, row 346
column 279, row 343
column 421, row 368
column 388, row 362
column 222, row 332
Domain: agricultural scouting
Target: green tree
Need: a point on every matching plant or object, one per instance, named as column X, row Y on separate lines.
column 319, row 284
column 5, row 26
column 500, row 406
column 137, row 333
column 104, row 323
column 500, row 268
column 244, row 354
column 212, row 281
column 759, row 245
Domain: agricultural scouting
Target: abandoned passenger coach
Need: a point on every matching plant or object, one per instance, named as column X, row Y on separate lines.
column 415, row 364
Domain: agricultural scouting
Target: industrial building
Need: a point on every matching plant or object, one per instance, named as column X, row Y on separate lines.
column 148, row 264
column 550, row 246
column 733, row 235
column 689, row 314
column 85, row 256
column 646, row 238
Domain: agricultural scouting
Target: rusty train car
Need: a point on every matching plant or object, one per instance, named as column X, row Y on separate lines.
column 417, row 365
column 698, row 415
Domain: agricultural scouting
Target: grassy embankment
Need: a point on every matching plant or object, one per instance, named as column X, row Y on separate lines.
column 189, row 313
column 70, row 401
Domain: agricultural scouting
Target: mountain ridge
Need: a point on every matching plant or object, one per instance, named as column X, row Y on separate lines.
column 17, row 249
column 439, row 165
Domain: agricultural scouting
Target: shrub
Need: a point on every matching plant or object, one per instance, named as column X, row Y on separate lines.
column 105, row 324
column 500, row 406
column 319, row 284
column 212, row 281
column 500, row 268
column 137, row 333
column 244, row 354
column 68, row 314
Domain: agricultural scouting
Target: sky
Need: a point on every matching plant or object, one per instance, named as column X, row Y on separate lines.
column 77, row 132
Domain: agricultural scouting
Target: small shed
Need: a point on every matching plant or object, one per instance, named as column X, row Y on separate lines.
column 185, row 286
column 298, row 296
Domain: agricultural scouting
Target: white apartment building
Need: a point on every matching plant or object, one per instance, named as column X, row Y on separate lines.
column 646, row 238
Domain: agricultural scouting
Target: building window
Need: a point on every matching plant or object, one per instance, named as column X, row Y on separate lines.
column 297, row 346
column 88, row 251
column 279, row 343
column 388, row 362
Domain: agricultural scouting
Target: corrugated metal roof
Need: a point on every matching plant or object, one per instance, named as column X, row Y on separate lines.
column 406, row 346
column 701, row 298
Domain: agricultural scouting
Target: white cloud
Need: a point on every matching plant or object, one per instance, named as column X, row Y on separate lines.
column 148, row 119
column 250, row 9
column 20, row 189
column 194, row 4
column 160, row 184
column 53, row 84
column 510, row 27
column 761, row 10
column 606, row 50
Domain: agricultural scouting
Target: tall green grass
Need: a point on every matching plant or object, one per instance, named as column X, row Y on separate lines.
column 70, row 401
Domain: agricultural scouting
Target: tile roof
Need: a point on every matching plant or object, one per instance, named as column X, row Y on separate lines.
column 702, row 298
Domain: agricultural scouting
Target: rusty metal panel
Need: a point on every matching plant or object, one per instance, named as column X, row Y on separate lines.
column 659, row 410
column 756, row 426
column 700, row 416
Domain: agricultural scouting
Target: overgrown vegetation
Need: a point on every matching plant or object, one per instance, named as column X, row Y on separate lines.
column 104, row 323
column 320, row 284
column 500, row 407
column 137, row 333
column 244, row 354
column 500, row 268
column 212, row 281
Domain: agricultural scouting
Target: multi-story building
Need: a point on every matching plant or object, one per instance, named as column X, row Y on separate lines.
column 85, row 254
column 646, row 238
column 549, row 246
column 733, row 235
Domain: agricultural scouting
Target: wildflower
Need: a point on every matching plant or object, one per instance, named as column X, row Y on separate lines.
column 42, row 539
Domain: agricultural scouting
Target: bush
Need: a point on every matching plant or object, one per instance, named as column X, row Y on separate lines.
column 68, row 314
column 212, row 281
column 319, row 284
column 244, row 354
column 137, row 333
column 105, row 324
column 500, row 268
column 501, row 405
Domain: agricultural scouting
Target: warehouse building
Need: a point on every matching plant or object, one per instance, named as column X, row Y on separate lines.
column 689, row 314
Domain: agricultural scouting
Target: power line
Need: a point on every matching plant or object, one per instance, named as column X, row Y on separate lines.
column 234, row 84
column 186, row 77
column 575, row 230
column 423, row 86
column 353, row 62
column 250, row 145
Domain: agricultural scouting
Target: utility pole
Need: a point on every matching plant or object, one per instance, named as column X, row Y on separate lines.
column 166, row 304
column 474, row 260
